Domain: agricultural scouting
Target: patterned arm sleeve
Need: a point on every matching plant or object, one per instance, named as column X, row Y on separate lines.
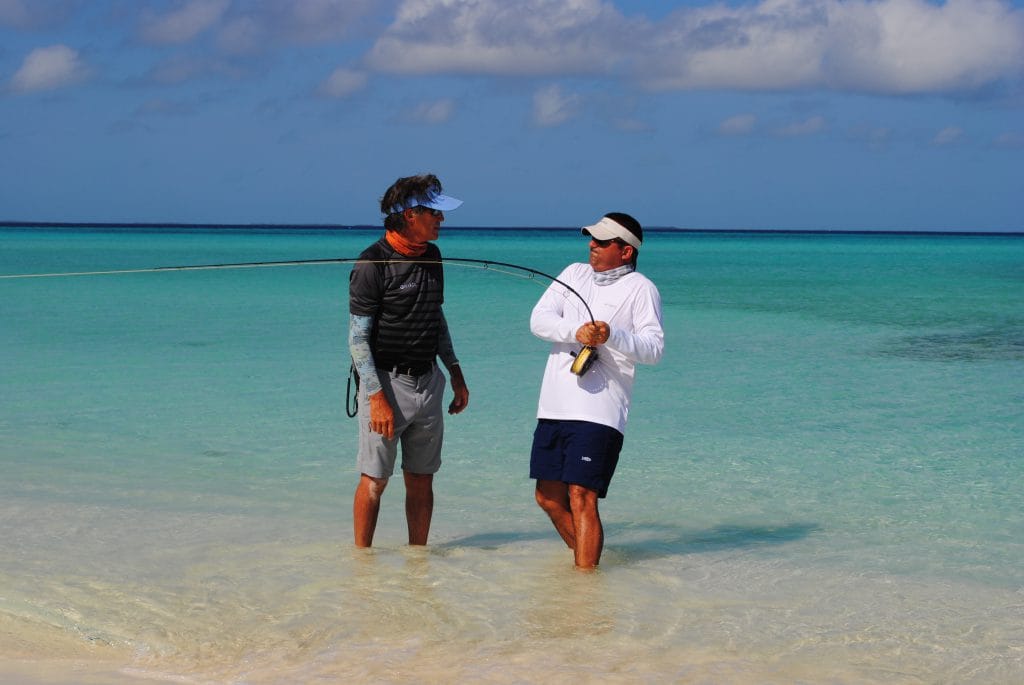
column 445, row 348
column 359, row 328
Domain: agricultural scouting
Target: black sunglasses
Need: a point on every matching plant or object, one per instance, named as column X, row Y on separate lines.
column 606, row 243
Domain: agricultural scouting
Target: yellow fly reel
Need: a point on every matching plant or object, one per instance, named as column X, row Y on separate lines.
column 584, row 359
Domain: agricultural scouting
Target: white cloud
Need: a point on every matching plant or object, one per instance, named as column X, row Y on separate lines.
column 529, row 37
column 815, row 124
column 49, row 68
column 739, row 125
column 773, row 44
column 866, row 46
column 877, row 46
column 343, row 82
column 184, row 23
column 914, row 46
column 1010, row 141
column 882, row 46
column 433, row 112
column 266, row 24
column 243, row 35
column 948, row 135
column 746, row 124
column 552, row 106
column 255, row 26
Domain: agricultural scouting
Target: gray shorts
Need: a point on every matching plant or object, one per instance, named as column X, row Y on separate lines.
column 419, row 425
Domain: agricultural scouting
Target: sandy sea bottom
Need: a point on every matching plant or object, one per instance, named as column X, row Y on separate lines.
column 206, row 599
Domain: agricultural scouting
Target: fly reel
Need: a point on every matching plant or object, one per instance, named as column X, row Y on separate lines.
column 584, row 359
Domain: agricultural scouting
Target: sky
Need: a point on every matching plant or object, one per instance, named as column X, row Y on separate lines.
column 760, row 114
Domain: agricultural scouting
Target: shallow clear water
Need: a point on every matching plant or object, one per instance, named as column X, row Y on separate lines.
column 820, row 482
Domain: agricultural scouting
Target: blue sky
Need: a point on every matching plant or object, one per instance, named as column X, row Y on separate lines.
column 770, row 114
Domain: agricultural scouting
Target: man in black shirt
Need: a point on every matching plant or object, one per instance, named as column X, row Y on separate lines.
column 397, row 331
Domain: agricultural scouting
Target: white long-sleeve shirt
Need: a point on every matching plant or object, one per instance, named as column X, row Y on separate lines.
column 632, row 308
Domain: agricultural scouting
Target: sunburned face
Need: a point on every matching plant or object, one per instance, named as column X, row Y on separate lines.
column 422, row 224
column 609, row 254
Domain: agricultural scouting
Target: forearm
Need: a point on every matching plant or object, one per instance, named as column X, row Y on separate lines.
column 548, row 322
column 359, row 328
column 644, row 347
column 642, row 338
column 446, row 352
column 445, row 347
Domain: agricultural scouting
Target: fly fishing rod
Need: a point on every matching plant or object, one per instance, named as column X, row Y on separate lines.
column 485, row 264
column 583, row 359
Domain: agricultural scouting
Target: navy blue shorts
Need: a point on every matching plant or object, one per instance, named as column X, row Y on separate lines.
column 577, row 452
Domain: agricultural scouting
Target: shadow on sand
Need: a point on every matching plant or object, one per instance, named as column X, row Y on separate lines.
column 659, row 541
column 635, row 542
column 495, row 539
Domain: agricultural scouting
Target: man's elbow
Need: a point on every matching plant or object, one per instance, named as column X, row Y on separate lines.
column 656, row 352
column 536, row 328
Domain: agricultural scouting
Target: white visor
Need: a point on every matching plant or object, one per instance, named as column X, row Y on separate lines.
column 607, row 229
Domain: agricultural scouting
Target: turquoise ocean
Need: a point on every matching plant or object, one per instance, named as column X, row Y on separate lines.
column 820, row 483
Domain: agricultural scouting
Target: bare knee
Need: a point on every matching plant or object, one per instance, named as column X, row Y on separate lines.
column 419, row 483
column 372, row 488
column 551, row 496
column 581, row 498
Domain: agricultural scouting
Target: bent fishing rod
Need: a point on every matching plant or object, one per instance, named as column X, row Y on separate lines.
column 484, row 264
column 582, row 361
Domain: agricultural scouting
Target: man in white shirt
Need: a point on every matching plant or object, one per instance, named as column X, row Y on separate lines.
column 585, row 395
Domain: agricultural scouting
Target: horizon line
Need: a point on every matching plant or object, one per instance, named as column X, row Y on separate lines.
column 365, row 227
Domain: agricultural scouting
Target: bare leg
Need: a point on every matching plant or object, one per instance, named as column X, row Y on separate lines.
column 419, row 505
column 553, row 498
column 587, row 522
column 366, row 507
